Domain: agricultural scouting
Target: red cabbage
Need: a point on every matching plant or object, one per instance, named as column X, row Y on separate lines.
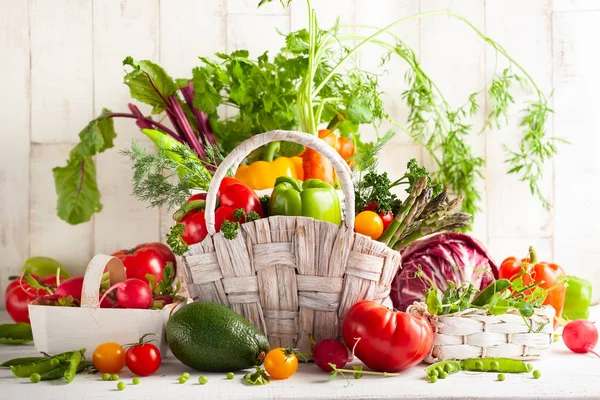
column 443, row 257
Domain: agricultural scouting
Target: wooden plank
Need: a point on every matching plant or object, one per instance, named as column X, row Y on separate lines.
column 512, row 211
column 391, row 81
column 179, row 54
column 575, row 5
column 14, row 154
column 137, row 37
column 453, row 56
column 577, row 166
column 256, row 33
column 501, row 248
column 250, row 7
column 327, row 13
column 50, row 236
column 61, row 69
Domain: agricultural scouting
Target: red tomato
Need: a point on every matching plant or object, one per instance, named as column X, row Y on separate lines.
column 17, row 297
column 388, row 340
column 143, row 359
column 147, row 258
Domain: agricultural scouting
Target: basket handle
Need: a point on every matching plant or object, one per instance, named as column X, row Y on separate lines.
column 93, row 277
column 238, row 154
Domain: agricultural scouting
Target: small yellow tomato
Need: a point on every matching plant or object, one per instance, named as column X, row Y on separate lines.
column 281, row 363
column 109, row 357
column 369, row 223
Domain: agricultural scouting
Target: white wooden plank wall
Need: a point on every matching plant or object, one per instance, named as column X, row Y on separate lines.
column 61, row 63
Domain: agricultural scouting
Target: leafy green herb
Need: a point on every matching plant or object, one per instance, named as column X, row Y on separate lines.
column 75, row 183
column 259, row 377
column 230, row 229
column 149, row 83
column 18, row 333
column 175, row 240
column 166, row 286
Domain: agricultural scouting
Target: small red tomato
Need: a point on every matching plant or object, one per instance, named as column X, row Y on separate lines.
column 143, row 359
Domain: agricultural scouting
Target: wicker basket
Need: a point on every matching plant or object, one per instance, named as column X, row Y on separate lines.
column 476, row 333
column 289, row 276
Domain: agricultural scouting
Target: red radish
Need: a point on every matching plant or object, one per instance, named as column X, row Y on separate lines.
column 330, row 351
column 71, row 287
column 131, row 293
column 107, row 302
column 581, row 336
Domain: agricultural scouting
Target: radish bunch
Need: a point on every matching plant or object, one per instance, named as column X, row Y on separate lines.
column 131, row 293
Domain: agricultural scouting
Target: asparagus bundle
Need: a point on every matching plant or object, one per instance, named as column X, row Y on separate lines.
column 420, row 215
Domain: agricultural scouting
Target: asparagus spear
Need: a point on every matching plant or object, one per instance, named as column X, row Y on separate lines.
column 451, row 222
column 435, row 204
column 418, row 206
column 404, row 210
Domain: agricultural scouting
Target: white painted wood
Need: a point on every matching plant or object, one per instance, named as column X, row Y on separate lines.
column 457, row 67
column 61, row 69
column 250, row 7
column 256, row 33
column 512, row 211
column 565, row 375
column 124, row 220
column 576, row 82
column 575, row 5
column 50, row 236
column 14, row 154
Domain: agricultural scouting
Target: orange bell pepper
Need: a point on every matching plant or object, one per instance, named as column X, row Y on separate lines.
column 550, row 277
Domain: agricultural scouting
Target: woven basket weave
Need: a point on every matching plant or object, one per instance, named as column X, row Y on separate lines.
column 476, row 333
column 289, row 276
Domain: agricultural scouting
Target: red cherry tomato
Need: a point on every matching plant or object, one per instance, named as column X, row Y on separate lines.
column 143, row 359
column 386, row 340
column 147, row 258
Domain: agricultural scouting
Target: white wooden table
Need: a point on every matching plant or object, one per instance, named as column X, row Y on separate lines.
column 565, row 375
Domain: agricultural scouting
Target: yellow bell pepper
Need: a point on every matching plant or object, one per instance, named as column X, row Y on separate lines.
column 262, row 174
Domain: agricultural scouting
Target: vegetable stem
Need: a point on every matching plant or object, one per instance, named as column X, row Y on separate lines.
column 149, row 121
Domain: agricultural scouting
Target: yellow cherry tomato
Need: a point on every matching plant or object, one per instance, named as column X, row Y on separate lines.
column 369, row 224
column 281, row 363
column 109, row 357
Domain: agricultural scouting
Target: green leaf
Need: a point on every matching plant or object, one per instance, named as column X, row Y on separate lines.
column 259, row 377
column 434, row 302
column 175, row 239
column 498, row 305
column 15, row 333
column 77, row 190
column 149, row 83
column 525, row 309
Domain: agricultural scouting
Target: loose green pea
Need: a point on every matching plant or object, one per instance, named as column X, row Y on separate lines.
column 135, row 380
column 185, row 375
column 35, row 378
column 121, row 386
column 443, row 375
column 202, row 380
column 106, row 377
column 114, row 377
column 433, row 379
column 479, row 365
column 501, row 377
column 495, row 365
column 230, row 375
column 182, row 379
column 537, row 374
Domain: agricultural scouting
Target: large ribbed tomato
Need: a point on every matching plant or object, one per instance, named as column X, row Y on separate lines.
column 388, row 340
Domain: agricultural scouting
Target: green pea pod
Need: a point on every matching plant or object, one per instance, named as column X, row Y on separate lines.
column 24, row 360
column 448, row 366
column 507, row 365
column 61, row 370
column 41, row 366
column 486, row 294
column 73, row 363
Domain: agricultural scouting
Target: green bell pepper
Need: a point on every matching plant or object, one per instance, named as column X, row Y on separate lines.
column 44, row 266
column 313, row 198
column 577, row 298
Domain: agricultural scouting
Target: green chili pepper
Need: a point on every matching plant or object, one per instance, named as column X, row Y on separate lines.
column 24, row 360
column 494, row 364
column 41, row 366
column 486, row 294
column 73, row 363
column 577, row 298
column 443, row 368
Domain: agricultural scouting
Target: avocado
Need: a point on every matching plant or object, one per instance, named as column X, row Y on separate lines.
column 212, row 338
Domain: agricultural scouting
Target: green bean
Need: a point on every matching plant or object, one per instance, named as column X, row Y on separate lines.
column 508, row 365
column 446, row 367
column 24, row 360
column 42, row 366
column 73, row 363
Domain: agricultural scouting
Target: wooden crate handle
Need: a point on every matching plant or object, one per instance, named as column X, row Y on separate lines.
column 93, row 278
column 238, row 154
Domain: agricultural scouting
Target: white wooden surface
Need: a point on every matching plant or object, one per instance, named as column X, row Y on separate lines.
column 565, row 375
column 61, row 63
